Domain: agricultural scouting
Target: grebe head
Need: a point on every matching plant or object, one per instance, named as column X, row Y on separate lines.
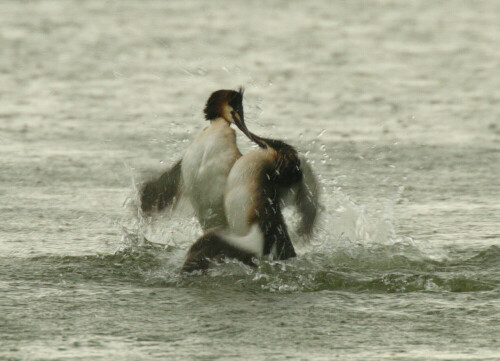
column 287, row 170
column 227, row 104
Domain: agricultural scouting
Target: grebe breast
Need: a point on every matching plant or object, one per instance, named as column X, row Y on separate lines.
column 242, row 191
column 205, row 168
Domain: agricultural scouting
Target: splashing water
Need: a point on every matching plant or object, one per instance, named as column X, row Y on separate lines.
column 351, row 250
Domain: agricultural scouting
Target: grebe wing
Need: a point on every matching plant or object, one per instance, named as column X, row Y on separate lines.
column 164, row 191
column 307, row 200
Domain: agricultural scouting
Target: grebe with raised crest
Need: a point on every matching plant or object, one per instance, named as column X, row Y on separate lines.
column 202, row 172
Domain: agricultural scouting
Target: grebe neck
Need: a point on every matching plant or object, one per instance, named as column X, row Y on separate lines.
column 221, row 121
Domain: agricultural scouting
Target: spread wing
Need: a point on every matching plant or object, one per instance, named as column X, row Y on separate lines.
column 307, row 200
column 164, row 191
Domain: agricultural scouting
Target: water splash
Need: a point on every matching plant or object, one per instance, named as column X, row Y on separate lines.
column 354, row 249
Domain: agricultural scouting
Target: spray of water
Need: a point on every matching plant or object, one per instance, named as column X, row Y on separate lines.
column 353, row 248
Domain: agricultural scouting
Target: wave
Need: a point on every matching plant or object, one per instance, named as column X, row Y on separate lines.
column 383, row 269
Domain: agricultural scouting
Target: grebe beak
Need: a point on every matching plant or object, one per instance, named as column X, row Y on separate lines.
column 240, row 123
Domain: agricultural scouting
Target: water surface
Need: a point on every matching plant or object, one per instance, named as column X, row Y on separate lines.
column 395, row 104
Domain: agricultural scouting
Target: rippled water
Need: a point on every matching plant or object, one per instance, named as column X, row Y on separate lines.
column 387, row 302
column 395, row 104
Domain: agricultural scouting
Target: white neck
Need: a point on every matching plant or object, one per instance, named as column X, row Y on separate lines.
column 220, row 120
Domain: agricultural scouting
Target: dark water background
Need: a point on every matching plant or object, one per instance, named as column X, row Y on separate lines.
column 397, row 104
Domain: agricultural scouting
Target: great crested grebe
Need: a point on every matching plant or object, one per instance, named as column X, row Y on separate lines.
column 256, row 186
column 202, row 172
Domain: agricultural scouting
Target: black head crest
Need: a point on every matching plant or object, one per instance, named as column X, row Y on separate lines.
column 217, row 100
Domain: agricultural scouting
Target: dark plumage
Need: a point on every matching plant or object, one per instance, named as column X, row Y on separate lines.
column 219, row 98
column 162, row 192
column 212, row 248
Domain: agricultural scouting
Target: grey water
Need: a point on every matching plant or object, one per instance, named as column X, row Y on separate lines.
column 395, row 104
